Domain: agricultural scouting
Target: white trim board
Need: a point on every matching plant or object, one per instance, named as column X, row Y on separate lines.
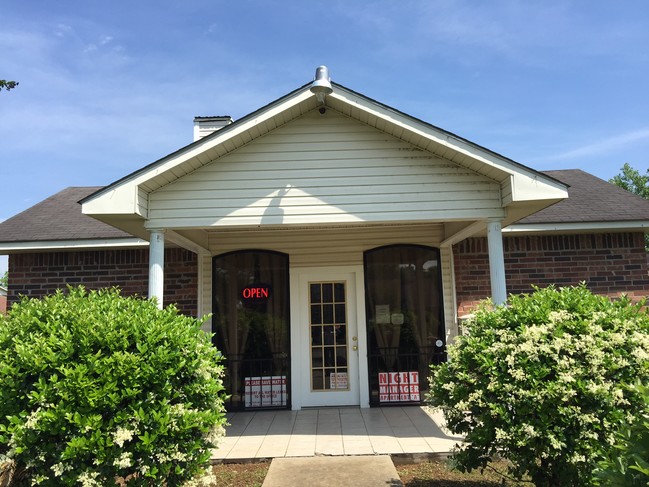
column 577, row 226
column 13, row 247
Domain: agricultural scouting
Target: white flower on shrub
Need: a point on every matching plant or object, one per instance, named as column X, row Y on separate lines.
column 204, row 371
column 206, row 480
column 214, row 435
column 32, row 419
column 89, row 479
column 122, row 435
column 179, row 456
column 124, row 461
column 59, row 469
column 559, row 316
column 39, row 479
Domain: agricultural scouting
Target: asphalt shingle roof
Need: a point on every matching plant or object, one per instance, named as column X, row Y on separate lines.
column 58, row 217
column 590, row 199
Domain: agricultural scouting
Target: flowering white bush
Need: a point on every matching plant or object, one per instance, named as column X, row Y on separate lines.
column 97, row 388
column 541, row 382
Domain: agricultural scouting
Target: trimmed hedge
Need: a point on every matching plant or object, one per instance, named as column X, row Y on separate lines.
column 99, row 388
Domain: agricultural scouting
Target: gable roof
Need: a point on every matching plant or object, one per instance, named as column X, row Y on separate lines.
column 299, row 102
column 523, row 190
column 58, row 219
column 592, row 203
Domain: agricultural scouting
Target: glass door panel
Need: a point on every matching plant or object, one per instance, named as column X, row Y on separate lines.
column 329, row 339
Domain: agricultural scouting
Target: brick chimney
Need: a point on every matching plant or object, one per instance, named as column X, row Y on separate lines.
column 204, row 126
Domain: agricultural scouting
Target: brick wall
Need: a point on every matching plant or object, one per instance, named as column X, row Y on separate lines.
column 39, row 274
column 610, row 264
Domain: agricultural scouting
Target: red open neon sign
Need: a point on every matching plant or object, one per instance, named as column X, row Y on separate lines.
column 258, row 293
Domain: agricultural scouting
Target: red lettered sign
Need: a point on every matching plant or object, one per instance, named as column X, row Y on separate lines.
column 256, row 292
column 399, row 386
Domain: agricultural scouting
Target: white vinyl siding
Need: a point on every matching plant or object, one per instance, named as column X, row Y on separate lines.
column 324, row 169
column 325, row 246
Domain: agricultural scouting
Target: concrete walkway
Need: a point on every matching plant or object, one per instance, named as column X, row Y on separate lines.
column 363, row 471
column 401, row 432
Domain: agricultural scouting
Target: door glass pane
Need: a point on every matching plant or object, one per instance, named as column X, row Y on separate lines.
column 329, row 339
column 341, row 356
column 315, row 293
column 341, row 334
column 317, row 379
column 316, row 335
column 339, row 292
column 316, row 314
column 327, row 313
column 327, row 293
column 330, row 357
column 340, row 314
column 317, row 356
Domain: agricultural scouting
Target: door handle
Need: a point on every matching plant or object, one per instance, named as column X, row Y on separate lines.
column 354, row 348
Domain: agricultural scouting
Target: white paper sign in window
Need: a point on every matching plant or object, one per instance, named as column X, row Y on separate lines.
column 265, row 391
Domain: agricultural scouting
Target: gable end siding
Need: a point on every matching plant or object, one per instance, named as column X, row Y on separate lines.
column 324, row 169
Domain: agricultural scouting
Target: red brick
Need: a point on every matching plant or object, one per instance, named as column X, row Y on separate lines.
column 39, row 274
column 610, row 264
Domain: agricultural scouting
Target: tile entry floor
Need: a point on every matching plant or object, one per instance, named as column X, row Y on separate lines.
column 334, row 431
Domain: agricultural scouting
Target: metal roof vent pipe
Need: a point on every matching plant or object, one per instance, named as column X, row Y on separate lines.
column 321, row 85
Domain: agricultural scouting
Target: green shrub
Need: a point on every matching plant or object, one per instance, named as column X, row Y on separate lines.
column 97, row 387
column 627, row 463
column 540, row 382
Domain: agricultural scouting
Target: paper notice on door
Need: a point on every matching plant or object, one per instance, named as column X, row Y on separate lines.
column 338, row 380
column 382, row 314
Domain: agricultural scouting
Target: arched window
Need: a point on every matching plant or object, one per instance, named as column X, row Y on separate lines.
column 405, row 322
column 251, row 326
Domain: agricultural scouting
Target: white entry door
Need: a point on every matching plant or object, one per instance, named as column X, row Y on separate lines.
column 328, row 338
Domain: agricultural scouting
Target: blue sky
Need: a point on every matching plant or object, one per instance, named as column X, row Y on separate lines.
column 108, row 87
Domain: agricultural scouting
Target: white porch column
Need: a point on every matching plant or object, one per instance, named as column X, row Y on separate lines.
column 496, row 262
column 156, row 265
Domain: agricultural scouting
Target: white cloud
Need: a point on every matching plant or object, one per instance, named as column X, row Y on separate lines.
column 604, row 146
column 464, row 31
column 63, row 30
